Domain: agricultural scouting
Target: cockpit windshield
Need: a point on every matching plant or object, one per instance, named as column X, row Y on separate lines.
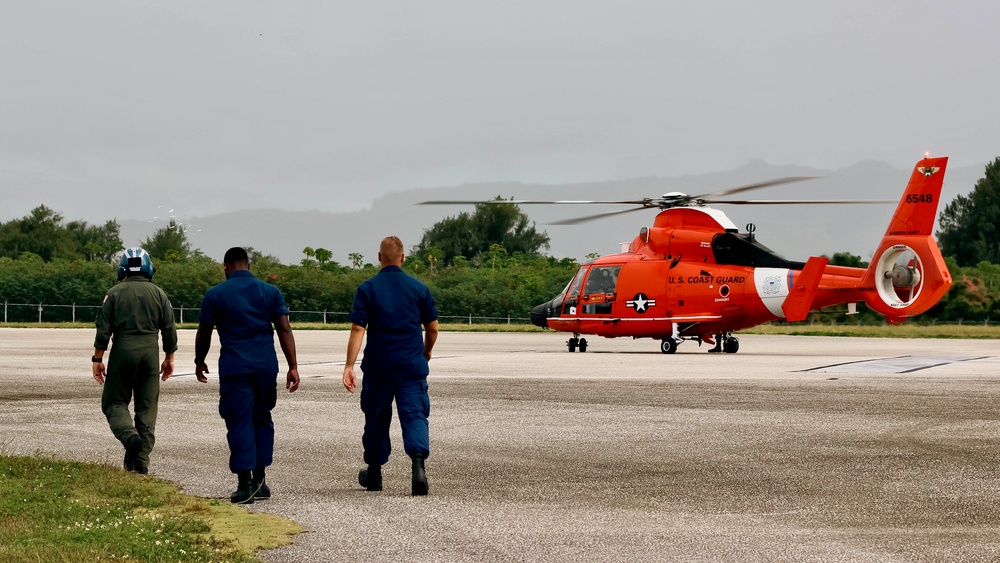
column 573, row 289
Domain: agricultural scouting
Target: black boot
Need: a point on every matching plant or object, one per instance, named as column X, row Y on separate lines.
column 260, row 488
column 132, row 447
column 718, row 345
column 371, row 478
column 244, row 489
column 419, row 476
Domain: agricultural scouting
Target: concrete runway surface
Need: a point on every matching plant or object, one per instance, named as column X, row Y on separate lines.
column 617, row 454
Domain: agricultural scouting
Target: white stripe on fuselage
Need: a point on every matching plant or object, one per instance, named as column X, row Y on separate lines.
column 772, row 288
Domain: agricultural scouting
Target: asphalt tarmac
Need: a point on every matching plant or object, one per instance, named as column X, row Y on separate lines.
column 617, row 454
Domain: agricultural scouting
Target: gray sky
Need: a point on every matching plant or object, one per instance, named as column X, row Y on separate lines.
column 127, row 109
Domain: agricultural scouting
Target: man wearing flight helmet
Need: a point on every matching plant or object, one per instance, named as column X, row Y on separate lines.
column 134, row 312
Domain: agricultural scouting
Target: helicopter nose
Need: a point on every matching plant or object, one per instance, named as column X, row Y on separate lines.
column 540, row 315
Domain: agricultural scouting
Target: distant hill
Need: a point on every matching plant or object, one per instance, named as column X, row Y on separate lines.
column 793, row 231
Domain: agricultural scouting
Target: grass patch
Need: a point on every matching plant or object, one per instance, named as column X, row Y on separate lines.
column 979, row 332
column 55, row 510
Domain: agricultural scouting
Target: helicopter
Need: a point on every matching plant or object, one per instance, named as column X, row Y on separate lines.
column 692, row 276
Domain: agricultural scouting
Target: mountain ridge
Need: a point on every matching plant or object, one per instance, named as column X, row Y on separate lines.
column 794, row 232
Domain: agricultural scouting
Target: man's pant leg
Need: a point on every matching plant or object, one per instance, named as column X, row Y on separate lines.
column 117, row 392
column 264, row 398
column 236, row 408
column 147, row 398
column 414, row 407
column 376, row 403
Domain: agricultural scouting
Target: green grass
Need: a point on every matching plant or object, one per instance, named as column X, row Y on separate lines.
column 55, row 510
column 977, row 331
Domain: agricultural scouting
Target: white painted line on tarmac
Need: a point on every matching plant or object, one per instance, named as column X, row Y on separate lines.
column 901, row 364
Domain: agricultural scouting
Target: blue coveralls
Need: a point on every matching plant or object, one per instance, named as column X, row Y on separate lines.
column 393, row 307
column 244, row 310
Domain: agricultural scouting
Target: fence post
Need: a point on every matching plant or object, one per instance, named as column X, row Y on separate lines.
column 39, row 313
column 508, row 319
column 74, row 312
column 470, row 319
column 324, row 316
column 5, row 312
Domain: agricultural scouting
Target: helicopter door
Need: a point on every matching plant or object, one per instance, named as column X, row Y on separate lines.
column 600, row 290
column 571, row 297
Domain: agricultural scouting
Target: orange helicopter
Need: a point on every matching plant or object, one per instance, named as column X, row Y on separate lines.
column 693, row 276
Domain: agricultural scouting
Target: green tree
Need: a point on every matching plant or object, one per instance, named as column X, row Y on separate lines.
column 357, row 260
column 497, row 252
column 100, row 244
column 260, row 260
column 322, row 256
column 970, row 225
column 40, row 232
column 847, row 259
column 310, row 259
column 492, row 223
column 169, row 243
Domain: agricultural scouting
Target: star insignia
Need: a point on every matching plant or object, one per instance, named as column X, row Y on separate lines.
column 640, row 303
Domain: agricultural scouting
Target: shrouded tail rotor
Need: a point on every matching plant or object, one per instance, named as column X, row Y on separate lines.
column 901, row 276
column 908, row 275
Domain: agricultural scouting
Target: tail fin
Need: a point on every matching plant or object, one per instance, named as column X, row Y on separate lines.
column 800, row 297
column 907, row 275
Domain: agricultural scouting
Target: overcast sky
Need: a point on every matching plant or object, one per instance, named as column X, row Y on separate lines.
column 130, row 108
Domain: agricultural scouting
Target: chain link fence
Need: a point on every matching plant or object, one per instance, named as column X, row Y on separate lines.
column 62, row 313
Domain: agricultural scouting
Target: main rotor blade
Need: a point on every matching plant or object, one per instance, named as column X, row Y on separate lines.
column 793, row 201
column 584, row 219
column 757, row 186
column 645, row 202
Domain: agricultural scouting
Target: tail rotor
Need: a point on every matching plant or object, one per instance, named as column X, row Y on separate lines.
column 901, row 276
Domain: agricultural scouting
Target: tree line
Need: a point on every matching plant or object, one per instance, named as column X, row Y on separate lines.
column 503, row 275
column 488, row 263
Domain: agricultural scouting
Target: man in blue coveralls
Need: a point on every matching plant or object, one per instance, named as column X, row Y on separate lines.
column 391, row 307
column 244, row 310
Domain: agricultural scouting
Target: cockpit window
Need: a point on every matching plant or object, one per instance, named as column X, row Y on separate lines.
column 574, row 286
column 603, row 279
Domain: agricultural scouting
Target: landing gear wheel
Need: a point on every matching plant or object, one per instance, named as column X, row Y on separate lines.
column 731, row 345
column 571, row 344
column 668, row 345
column 583, row 344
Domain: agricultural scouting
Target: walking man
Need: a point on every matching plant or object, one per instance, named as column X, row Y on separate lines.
column 246, row 312
column 134, row 312
column 392, row 307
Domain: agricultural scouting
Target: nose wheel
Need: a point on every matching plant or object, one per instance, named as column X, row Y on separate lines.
column 576, row 343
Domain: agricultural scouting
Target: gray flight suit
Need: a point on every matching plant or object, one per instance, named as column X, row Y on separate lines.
column 134, row 311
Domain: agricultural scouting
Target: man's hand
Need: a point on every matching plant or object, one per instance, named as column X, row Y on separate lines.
column 199, row 371
column 166, row 369
column 99, row 372
column 350, row 380
column 292, row 381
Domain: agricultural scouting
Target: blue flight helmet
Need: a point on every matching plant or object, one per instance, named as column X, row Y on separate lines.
column 135, row 262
